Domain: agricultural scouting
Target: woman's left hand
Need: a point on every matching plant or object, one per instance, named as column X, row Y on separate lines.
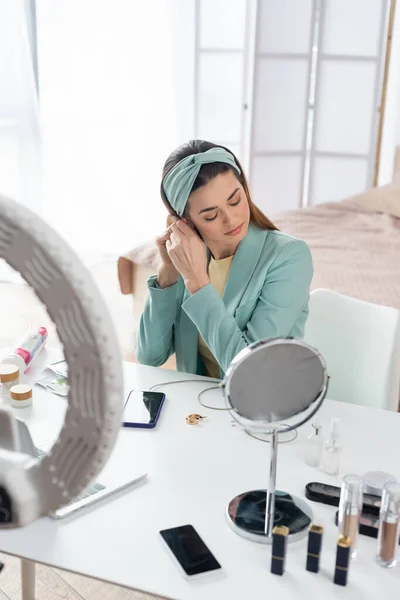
column 188, row 254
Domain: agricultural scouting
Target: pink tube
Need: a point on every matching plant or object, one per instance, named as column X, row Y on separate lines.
column 28, row 349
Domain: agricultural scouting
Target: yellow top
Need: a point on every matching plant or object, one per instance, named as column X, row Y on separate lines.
column 218, row 273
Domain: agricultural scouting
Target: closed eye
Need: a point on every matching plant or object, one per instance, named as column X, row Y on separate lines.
column 213, row 218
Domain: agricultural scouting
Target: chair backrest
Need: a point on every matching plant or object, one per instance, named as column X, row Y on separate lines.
column 361, row 345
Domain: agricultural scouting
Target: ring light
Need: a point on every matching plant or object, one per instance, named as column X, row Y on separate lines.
column 30, row 487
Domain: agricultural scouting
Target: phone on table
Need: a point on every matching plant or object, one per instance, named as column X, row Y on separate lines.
column 142, row 409
column 189, row 550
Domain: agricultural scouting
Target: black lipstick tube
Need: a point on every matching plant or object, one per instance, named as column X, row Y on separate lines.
column 279, row 543
column 342, row 560
column 314, row 548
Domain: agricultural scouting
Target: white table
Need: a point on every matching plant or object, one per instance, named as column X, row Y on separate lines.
column 193, row 473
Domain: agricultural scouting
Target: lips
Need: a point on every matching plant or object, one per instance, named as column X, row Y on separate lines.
column 235, row 231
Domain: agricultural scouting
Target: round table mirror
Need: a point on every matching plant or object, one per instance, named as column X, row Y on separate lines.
column 272, row 387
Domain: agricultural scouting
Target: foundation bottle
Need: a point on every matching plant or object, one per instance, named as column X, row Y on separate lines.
column 350, row 507
column 388, row 536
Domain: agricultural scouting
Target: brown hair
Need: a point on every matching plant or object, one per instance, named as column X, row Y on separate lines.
column 208, row 172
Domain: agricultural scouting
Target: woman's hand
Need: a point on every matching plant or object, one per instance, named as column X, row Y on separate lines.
column 167, row 274
column 188, row 254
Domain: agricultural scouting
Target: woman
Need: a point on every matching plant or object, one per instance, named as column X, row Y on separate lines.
column 227, row 276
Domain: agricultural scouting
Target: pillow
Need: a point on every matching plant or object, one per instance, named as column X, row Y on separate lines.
column 385, row 199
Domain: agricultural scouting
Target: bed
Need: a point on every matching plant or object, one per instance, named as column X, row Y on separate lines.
column 355, row 246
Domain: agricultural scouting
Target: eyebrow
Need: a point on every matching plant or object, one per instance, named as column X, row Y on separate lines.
column 214, row 207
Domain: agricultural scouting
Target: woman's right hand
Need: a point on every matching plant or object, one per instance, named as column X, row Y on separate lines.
column 167, row 274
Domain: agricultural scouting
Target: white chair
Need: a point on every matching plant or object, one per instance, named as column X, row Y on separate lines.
column 361, row 345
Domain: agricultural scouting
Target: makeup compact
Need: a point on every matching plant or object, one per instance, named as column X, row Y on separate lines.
column 374, row 481
column 330, row 494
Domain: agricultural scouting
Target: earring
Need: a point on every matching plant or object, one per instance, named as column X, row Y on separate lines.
column 194, row 419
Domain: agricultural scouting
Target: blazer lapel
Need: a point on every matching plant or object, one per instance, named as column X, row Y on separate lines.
column 243, row 265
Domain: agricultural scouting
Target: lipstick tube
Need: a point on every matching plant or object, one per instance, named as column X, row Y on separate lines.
column 279, row 543
column 314, row 548
column 342, row 560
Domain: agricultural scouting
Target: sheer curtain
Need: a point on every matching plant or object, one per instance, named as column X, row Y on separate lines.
column 116, row 95
column 109, row 116
column 20, row 171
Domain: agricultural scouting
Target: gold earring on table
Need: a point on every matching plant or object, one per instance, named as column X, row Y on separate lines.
column 194, row 419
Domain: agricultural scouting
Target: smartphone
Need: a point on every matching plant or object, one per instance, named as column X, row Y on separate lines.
column 190, row 550
column 142, row 409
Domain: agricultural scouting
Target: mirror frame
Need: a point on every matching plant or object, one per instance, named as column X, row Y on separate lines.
column 226, row 386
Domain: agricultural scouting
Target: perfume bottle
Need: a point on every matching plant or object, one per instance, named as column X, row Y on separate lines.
column 314, row 445
column 389, row 525
column 332, row 451
column 350, row 507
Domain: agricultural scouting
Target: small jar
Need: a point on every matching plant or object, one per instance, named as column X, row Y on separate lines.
column 9, row 376
column 21, row 396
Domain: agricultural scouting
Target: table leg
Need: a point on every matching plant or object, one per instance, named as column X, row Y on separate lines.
column 27, row 580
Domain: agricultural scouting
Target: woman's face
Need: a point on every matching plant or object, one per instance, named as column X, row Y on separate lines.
column 220, row 211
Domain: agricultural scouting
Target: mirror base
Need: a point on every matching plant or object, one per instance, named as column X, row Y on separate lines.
column 246, row 515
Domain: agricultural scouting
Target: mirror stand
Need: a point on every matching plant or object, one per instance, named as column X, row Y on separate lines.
column 270, row 498
column 267, row 384
column 254, row 514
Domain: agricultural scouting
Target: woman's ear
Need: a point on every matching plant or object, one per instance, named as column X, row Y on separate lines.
column 171, row 219
column 188, row 222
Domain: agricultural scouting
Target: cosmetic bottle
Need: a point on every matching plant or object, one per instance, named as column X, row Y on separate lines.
column 28, row 349
column 389, row 525
column 350, row 507
column 314, row 445
column 332, row 450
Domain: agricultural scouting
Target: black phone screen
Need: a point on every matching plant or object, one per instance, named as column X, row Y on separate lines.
column 190, row 550
column 142, row 407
